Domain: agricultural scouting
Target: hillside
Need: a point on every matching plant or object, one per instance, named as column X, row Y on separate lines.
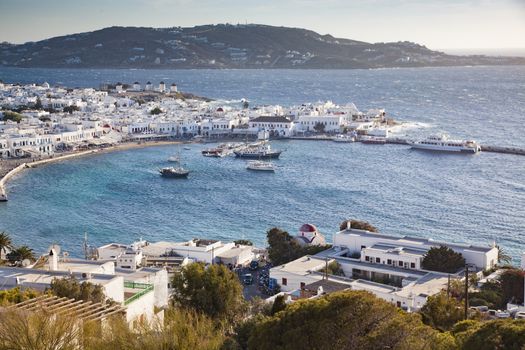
column 225, row 46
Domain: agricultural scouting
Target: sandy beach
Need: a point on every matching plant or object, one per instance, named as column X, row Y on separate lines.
column 8, row 167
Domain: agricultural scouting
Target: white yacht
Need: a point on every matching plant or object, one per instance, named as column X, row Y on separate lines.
column 443, row 143
column 259, row 165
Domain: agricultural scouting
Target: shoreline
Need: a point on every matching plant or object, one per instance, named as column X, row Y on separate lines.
column 11, row 167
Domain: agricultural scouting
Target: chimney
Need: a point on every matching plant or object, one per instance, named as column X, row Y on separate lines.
column 53, row 260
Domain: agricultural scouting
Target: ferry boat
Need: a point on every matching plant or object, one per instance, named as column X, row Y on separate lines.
column 258, row 152
column 259, row 165
column 344, row 138
column 443, row 143
column 172, row 172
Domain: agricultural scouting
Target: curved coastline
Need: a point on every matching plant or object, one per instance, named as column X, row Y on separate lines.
column 16, row 168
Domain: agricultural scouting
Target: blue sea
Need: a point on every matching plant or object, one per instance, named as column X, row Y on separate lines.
column 119, row 196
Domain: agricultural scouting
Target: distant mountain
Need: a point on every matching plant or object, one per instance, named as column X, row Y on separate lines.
column 226, row 46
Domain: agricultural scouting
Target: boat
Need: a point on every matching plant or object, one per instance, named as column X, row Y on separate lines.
column 259, row 165
column 263, row 151
column 172, row 172
column 187, row 148
column 212, row 152
column 444, row 144
column 344, row 138
column 174, row 159
column 373, row 140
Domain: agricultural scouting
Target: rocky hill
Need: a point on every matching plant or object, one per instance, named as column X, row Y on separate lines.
column 225, row 46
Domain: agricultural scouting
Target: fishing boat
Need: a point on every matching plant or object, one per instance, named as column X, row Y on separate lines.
column 174, row 172
column 259, row 165
column 212, row 152
column 444, row 144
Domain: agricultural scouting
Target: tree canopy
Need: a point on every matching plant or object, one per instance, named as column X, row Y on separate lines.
column 283, row 248
column 71, row 288
column 443, row 259
column 156, row 111
column 213, row 290
column 497, row 334
column 442, row 312
column 345, row 320
column 511, row 282
column 357, row 224
column 13, row 116
column 21, row 253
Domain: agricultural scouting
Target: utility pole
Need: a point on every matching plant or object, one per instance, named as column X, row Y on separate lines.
column 448, row 286
column 466, row 292
column 326, row 268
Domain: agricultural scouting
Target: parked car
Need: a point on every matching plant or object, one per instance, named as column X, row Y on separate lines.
column 480, row 308
column 498, row 314
column 247, row 279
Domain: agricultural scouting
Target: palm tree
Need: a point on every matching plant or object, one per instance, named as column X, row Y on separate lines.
column 5, row 243
column 21, row 253
column 503, row 257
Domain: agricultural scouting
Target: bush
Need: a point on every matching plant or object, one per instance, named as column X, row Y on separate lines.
column 71, row 288
column 13, row 116
column 155, row 111
column 358, row 225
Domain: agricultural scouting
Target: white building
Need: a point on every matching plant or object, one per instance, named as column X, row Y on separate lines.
column 275, row 125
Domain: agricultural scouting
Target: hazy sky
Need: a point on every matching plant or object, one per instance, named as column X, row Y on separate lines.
column 439, row 24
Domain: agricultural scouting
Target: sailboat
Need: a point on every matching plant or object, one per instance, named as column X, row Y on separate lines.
column 177, row 171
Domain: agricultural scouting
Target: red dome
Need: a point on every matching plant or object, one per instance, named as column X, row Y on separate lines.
column 308, row 228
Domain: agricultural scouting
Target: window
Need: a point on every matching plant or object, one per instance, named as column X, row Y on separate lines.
column 303, row 285
column 367, row 258
column 389, row 261
column 378, row 260
column 400, row 263
column 363, row 246
column 284, row 281
column 413, row 265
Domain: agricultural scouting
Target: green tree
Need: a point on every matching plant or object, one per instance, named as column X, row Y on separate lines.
column 443, row 259
column 442, row 312
column 345, row 320
column 71, row 288
column 334, row 268
column 13, row 116
column 357, row 224
column 279, row 304
column 155, row 111
column 503, row 257
column 6, row 243
column 497, row 334
column 511, row 282
column 282, row 248
column 213, row 290
column 38, row 104
column 71, row 109
column 319, row 127
column 20, row 254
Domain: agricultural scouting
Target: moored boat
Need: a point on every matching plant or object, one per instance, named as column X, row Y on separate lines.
column 258, row 152
column 172, row 172
column 373, row 140
column 258, row 165
column 444, row 144
column 344, row 138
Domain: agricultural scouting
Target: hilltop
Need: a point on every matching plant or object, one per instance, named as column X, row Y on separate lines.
column 226, row 46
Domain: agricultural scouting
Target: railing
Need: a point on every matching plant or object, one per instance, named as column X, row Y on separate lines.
column 145, row 288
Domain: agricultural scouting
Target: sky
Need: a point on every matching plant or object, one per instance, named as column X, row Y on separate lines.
column 486, row 25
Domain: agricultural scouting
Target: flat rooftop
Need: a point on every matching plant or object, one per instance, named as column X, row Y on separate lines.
column 414, row 240
column 301, row 266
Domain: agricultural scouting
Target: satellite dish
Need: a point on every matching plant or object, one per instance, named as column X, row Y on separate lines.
column 26, row 262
